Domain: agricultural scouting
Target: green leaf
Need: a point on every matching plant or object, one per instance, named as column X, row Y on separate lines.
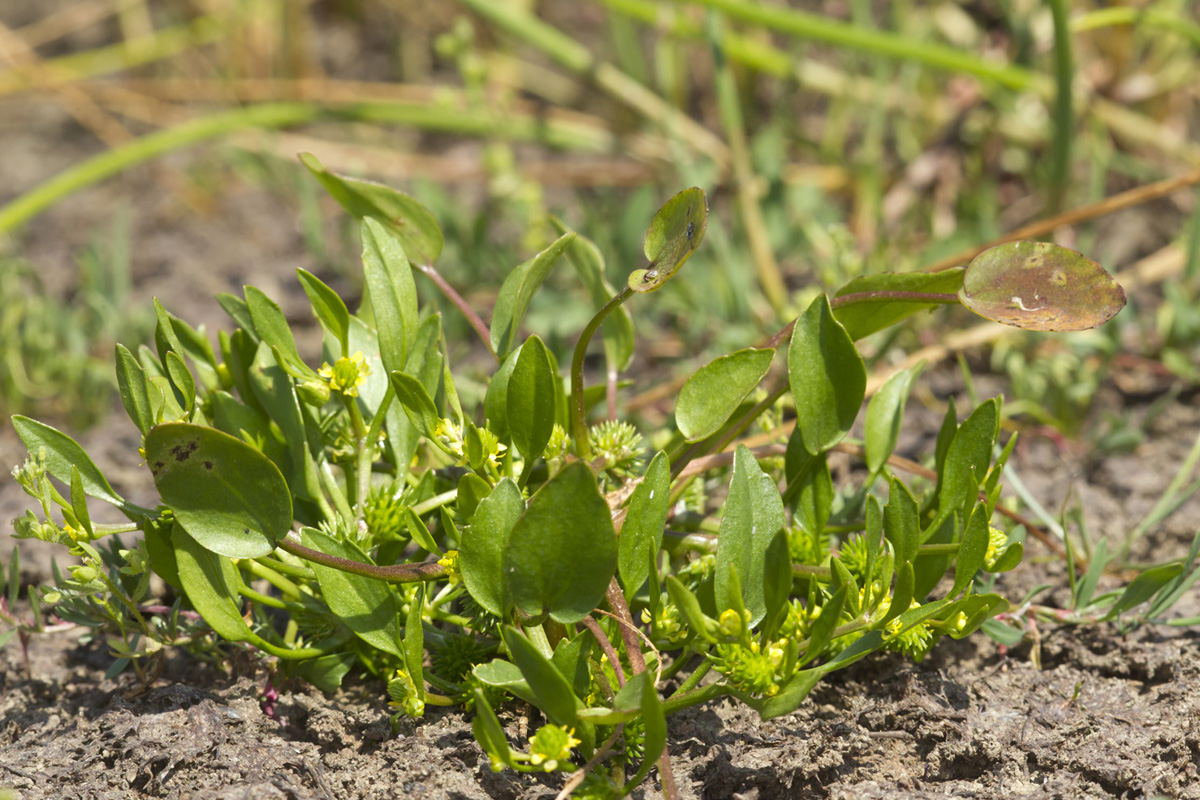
column 885, row 413
column 134, row 389
column 822, row 628
column 1040, row 286
column 645, row 520
column 689, row 605
column 489, row 732
column 827, row 376
column 562, row 552
column 713, row 392
column 419, row 533
column 414, row 641
column 392, row 291
column 365, row 605
column 230, row 497
column 1087, row 585
column 507, row 676
column 968, row 457
column 495, row 401
column 654, row 727
column 530, row 403
column 863, row 319
column 326, row 673
column 813, row 494
column 484, row 543
column 517, row 291
column 329, row 307
column 165, row 339
column 552, row 690
column 409, row 221
column 211, row 582
column 418, row 405
column 472, row 489
column 793, row 692
column 181, row 379
column 971, row 550
column 239, row 312
column 777, row 579
column 1143, row 587
column 62, row 453
column 674, row 234
column 272, row 326
column 753, row 513
column 79, row 503
column 275, row 391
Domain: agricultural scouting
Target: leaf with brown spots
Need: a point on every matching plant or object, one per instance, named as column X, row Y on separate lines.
column 228, row 496
column 1040, row 287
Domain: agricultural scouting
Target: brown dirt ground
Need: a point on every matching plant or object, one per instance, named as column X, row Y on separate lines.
column 1107, row 715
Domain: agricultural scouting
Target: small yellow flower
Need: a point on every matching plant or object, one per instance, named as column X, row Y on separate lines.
column 550, row 745
column 346, row 374
column 450, row 563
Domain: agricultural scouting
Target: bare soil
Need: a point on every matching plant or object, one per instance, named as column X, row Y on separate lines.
column 1107, row 715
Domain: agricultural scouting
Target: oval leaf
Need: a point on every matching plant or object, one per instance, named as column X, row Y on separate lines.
column 62, row 452
column 410, row 221
column 674, row 234
column 645, row 520
column 517, row 291
column 753, row 513
column 484, row 542
column 827, row 377
column 885, row 412
column 562, row 552
column 714, row 391
column 530, row 400
column 393, row 294
column 365, row 605
column 1040, row 287
column 863, row 319
column 211, row 583
column 228, row 496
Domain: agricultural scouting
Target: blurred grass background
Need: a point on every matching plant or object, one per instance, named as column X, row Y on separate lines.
column 834, row 138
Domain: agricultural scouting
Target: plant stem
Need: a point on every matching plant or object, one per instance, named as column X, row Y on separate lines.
column 804, row 25
column 461, row 304
column 729, row 106
column 396, row 573
column 1064, row 113
column 579, row 429
column 700, row 696
column 874, row 297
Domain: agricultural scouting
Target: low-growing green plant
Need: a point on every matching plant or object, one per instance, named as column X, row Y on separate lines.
column 354, row 515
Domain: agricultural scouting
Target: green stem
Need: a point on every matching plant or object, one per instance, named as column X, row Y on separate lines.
column 577, row 58
column 281, row 583
column 467, row 121
column 699, row 697
column 435, row 502
column 396, row 573
column 693, row 680
column 730, row 109
column 579, row 429
column 290, row 570
column 855, row 298
column 1064, row 114
column 804, row 25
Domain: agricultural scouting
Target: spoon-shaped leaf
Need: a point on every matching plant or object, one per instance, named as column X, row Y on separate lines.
column 412, row 223
column 227, row 495
column 1041, row 287
column 713, row 393
column 674, row 234
column 562, row 551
